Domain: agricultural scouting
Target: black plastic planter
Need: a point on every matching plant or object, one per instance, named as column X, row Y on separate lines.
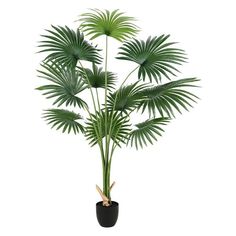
column 107, row 216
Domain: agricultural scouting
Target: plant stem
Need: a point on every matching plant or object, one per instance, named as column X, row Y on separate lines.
column 129, row 75
column 107, row 181
column 106, row 173
column 99, row 106
column 100, row 113
column 90, row 87
column 113, row 107
column 99, row 136
column 114, row 145
column 108, row 139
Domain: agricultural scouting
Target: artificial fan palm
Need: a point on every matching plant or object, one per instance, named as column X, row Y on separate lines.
column 109, row 123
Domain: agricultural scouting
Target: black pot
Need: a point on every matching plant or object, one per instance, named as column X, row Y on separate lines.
column 107, row 215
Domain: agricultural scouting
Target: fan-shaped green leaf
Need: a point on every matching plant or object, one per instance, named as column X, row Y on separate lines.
column 127, row 98
column 147, row 131
column 114, row 24
column 65, row 85
column 63, row 119
column 120, row 127
column 96, row 77
column 155, row 57
column 169, row 97
column 67, row 46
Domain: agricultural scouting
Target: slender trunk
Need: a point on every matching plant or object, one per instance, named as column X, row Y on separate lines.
column 106, row 180
column 106, row 172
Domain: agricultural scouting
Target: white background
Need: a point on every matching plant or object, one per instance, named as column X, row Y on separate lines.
column 183, row 185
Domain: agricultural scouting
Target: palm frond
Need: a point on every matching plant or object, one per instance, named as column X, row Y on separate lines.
column 127, row 98
column 96, row 77
column 155, row 57
column 65, row 84
column 63, row 119
column 147, row 131
column 114, row 24
column 169, row 97
column 67, row 46
column 120, row 127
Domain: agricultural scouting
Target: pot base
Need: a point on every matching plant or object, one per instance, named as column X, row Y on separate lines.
column 107, row 216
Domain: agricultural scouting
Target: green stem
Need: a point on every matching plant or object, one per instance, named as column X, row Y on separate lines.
column 114, row 145
column 107, row 177
column 99, row 106
column 99, row 137
column 113, row 107
column 107, row 181
column 108, row 172
column 129, row 75
column 108, row 139
column 100, row 112
column 90, row 87
column 105, row 185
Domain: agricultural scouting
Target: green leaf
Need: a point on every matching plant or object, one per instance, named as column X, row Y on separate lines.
column 96, row 77
column 127, row 98
column 120, row 127
column 114, row 24
column 67, row 46
column 169, row 97
column 65, row 85
column 63, row 119
column 155, row 57
column 147, row 131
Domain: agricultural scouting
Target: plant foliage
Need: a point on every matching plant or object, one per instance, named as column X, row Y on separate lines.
column 67, row 46
column 114, row 24
column 127, row 98
column 147, row 131
column 96, row 77
column 167, row 98
column 64, row 119
column 120, row 127
column 65, row 85
column 155, row 57
column 71, row 68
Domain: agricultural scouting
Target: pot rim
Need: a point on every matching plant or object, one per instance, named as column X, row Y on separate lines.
column 113, row 204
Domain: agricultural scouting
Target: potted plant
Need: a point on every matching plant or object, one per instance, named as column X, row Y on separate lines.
column 108, row 124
